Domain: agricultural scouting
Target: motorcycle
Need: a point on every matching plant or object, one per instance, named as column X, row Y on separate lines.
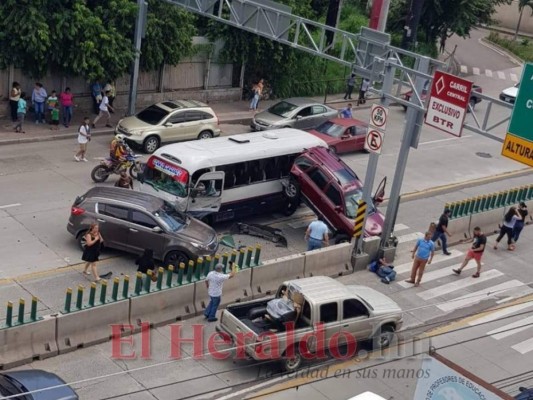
column 107, row 167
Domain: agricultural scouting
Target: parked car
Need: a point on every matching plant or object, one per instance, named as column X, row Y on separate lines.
column 525, row 394
column 133, row 221
column 359, row 311
column 509, row 95
column 342, row 134
column 332, row 190
column 295, row 112
column 169, row 121
column 18, row 382
column 474, row 95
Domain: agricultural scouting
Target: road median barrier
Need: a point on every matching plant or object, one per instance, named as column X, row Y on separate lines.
column 267, row 277
column 331, row 261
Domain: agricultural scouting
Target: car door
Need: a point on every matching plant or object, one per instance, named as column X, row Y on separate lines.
column 194, row 120
column 329, row 319
column 359, row 138
column 313, row 185
column 346, row 141
column 113, row 222
column 318, row 116
column 144, row 232
column 355, row 319
column 206, row 195
column 304, row 118
column 173, row 126
column 333, row 205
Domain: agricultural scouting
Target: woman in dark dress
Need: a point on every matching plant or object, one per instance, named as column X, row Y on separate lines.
column 94, row 242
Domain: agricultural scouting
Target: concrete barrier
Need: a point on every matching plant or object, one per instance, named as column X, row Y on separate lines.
column 29, row 342
column 163, row 307
column 459, row 228
column 235, row 290
column 90, row 326
column 488, row 220
column 268, row 277
column 329, row 261
column 370, row 246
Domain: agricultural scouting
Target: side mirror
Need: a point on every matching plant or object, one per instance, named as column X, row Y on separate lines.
column 157, row 229
column 168, row 125
column 378, row 200
column 298, row 117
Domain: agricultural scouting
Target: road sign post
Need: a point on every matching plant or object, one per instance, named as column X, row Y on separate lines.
column 518, row 144
column 448, row 103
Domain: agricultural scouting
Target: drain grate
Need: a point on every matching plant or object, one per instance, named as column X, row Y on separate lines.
column 483, row 155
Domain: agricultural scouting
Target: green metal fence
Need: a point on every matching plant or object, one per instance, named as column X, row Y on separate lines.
column 478, row 204
column 22, row 318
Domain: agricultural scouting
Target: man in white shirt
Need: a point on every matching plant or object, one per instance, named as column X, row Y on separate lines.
column 104, row 111
column 317, row 234
column 84, row 136
column 214, row 282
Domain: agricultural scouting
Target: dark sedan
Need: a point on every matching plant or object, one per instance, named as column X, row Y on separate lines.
column 31, row 382
column 342, row 134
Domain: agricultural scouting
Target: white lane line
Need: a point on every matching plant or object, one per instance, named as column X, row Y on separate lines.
column 400, row 269
column 504, row 300
column 475, row 297
column 400, row 227
column 514, row 78
column 444, row 140
column 476, row 71
column 464, row 69
column 510, row 329
column 440, row 273
column 409, row 237
column 488, row 72
column 524, row 347
column 459, row 284
column 500, row 313
column 10, row 205
column 501, row 75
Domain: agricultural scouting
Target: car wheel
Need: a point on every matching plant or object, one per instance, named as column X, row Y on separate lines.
column 292, row 190
column 384, row 338
column 291, row 207
column 205, row 135
column 135, row 169
column 292, row 363
column 175, row 258
column 82, row 242
column 342, row 239
column 100, row 173
column 151, row 143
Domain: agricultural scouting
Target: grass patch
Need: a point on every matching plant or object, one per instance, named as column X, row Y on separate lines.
column 522, row 47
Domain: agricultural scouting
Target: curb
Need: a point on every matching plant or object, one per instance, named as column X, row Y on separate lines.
column 496, row 47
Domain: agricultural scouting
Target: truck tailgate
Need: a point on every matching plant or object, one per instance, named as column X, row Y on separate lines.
column 233, row 326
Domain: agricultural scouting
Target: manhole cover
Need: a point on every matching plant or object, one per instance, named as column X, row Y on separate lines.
column 483, row 155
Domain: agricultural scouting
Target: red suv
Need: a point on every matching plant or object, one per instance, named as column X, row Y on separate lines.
column 331, row 189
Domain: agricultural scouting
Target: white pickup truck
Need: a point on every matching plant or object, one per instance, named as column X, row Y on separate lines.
column 308, row 317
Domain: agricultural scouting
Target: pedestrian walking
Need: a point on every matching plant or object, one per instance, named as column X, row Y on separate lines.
column 84, row 137
column 14, row 97
column 255, row 98
column 124, row 181
column 317, row 234
column 22, row 108
column 441, row 231
column 52, row 102
column 104, row 111
column 475, row 252
column 91, row 252
column 350, row 83
column 509, row 220
column 214, row 283
column 110, row 87
column 38, row 98
column 346, row 112
column 519, row 224
column 365, row 84
column 66, row 99
column 422, row 254
column 96, row 94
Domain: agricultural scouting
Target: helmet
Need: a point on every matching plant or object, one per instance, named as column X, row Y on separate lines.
column 120, row 137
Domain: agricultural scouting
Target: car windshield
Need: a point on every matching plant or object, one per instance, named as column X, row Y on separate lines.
column 152, row 115
column 282, row 109
column 351, row 200
column 173, row 219
column 345, row 176
column 331, row 129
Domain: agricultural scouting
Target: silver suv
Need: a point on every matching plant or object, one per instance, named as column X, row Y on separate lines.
column 133, row 221
column 169, row 121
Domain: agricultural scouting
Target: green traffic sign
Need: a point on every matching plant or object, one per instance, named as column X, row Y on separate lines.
column 522, row 116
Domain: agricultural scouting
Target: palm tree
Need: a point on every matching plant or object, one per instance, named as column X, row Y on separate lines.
column 521, row 5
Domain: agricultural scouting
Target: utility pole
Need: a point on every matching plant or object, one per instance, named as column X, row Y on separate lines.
column 140, row 32
column 383, row 15
column 332, row 19
column 411, row 23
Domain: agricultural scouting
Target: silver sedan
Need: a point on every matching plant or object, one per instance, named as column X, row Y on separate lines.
column 296, row 112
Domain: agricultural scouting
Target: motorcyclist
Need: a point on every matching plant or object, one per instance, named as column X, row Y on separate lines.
column 118, row 149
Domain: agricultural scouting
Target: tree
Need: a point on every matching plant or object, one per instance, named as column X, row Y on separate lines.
column 521, row 5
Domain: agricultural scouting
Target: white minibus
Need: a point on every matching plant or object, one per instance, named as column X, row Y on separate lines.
column 227, row 177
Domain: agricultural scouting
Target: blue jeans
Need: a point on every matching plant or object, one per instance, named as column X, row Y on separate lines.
column 254, row 102
column 67, row 115
column 211, row 311
column 442, row 237
column 314, row 244
column 518, row 226
column 39, row 111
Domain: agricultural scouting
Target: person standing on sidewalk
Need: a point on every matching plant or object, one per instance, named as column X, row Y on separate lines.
column 14, row 97
column 84, row 137
column 214, row 283
column 260, row 88
column 52, row 102
column 104, row 111
column 22, row 108
column 422, row 254
column 67, row 102
column 255, row 98
column 507, row 227
column 38, row 98
column 476, row 252
column 365, row 84
column 441, row 231
column 317, row 234
column 349, row 87
column 96, row 94
column 109, row 87
column 519, row 224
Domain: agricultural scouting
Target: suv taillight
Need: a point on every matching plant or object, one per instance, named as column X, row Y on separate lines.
column 77, row 211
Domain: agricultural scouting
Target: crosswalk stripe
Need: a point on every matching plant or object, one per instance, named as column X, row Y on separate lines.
column 440, row 273
column 400, row 227
column 476, row 71
column 514, row 78
column 511, row 329
column 402, row 268
column 488, row 72
column 496, row 315
column 476, row 297
column 464, row 69
column 501, row 75
column 409, row 237
column 524, row 347
column 459, row 284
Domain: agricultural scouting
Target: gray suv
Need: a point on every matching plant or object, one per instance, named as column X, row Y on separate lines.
column 133, row 221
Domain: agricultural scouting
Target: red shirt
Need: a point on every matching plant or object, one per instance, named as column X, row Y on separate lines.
column 66, row 99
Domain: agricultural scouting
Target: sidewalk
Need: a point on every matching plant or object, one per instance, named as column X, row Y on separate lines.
column 235, row 112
